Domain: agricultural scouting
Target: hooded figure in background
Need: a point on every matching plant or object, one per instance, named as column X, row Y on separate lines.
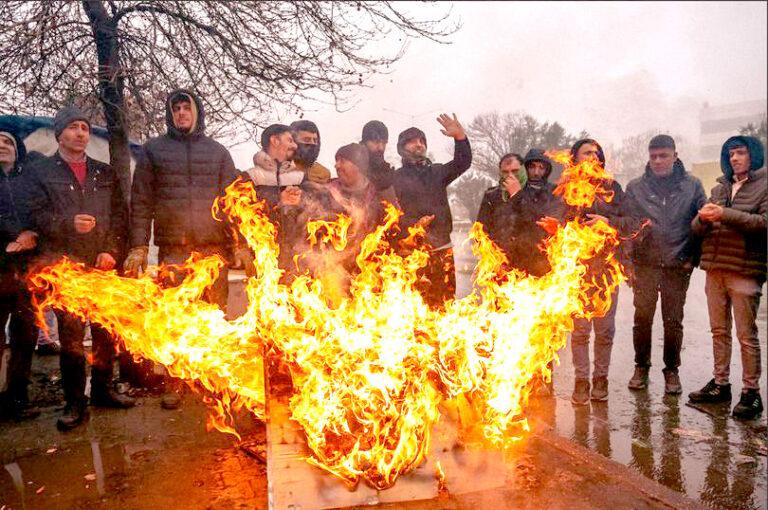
column 733, row 226
column 522, row 236
column 17, row 244
column 177, row 179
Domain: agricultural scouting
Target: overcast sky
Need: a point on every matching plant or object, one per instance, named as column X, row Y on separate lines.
column 614, row 69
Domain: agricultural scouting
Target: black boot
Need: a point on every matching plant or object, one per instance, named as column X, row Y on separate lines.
column 750, row 405
column 108, row 397
column 74, row 414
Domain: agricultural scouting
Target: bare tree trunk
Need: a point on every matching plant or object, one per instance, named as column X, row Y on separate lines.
column 111, row 89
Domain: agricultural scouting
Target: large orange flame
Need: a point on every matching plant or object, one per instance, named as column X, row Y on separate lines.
column 368, row 371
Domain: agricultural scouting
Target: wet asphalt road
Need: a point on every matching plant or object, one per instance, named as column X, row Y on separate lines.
column 149, row 458
column 710, row 457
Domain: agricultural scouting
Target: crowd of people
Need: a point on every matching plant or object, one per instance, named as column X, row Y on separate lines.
column 71, row 205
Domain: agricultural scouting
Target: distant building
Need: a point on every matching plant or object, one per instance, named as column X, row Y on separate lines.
column 720, row 122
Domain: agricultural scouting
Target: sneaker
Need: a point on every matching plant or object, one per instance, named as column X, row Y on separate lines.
column 74, row 415
column 639, row 380
column 599, row 389
column 580, row 394
column 711, row 393
column 750, row 405
column 672, row 384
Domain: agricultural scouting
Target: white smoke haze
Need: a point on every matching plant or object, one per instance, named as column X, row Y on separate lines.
column 615, row 70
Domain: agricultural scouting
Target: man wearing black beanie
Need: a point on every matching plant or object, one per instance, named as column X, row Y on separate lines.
column 663, row 255
column 375, row 137
column 421, row 190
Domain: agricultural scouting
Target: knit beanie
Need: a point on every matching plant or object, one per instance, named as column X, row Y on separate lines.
column 375, row 130
column 67, row 116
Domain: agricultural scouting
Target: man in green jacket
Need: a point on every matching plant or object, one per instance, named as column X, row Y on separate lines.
column 733, row 225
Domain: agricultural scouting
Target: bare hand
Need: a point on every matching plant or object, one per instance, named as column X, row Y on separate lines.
column 105, row 261
column 27, row 240
column 711, row 213
column 13, row 247
column 451, row 127
column 594, row 218
column 512, row 185
column 84, row 223
column 549, row 224
column 290, row 196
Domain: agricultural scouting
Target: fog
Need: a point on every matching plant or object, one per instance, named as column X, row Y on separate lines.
column 612, row 69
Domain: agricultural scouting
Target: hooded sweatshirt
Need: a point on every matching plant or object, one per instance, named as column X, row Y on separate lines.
column 178, row 176
column 521, row 238
column 13, row 219
column 738, row 241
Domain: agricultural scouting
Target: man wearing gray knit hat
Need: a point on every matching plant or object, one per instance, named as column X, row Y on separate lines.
column 76, row 204
column 67, row 116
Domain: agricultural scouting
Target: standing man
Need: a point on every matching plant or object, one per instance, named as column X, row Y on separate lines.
column 496, row 207
column 307, row 139
column 663, row 255
column 535, row 210
column 615, row 213
column 733, row 254
column 177, row 179
column 76, row 206
column 17, row 242
column 420, row 186
column 375, row 138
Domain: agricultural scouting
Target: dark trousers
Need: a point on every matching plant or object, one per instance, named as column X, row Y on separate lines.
column 71, row 334
column 218, row 293
column 672, row 284
column 437, row 281
column 23, row 338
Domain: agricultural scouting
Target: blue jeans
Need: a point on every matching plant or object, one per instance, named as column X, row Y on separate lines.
column 605, row 328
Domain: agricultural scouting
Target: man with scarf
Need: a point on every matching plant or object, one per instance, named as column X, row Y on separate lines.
column 617, row 213
column 420, row 186
column 17, row 243
column 733, row 254
column 496, row 207
column 307, row 139
column 663, row 255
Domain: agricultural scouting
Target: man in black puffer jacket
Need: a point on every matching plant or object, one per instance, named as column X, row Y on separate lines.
column 177, row 178
column 420, row 186
column 664, row 255
column 734, row 256
column 176, row 181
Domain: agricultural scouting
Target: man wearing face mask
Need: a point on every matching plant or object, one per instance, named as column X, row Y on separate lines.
column 177, row 179
column 420, row 186
column 496, row 207
column 307, row 138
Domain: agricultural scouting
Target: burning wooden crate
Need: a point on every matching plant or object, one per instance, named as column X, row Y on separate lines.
column 296, row 484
